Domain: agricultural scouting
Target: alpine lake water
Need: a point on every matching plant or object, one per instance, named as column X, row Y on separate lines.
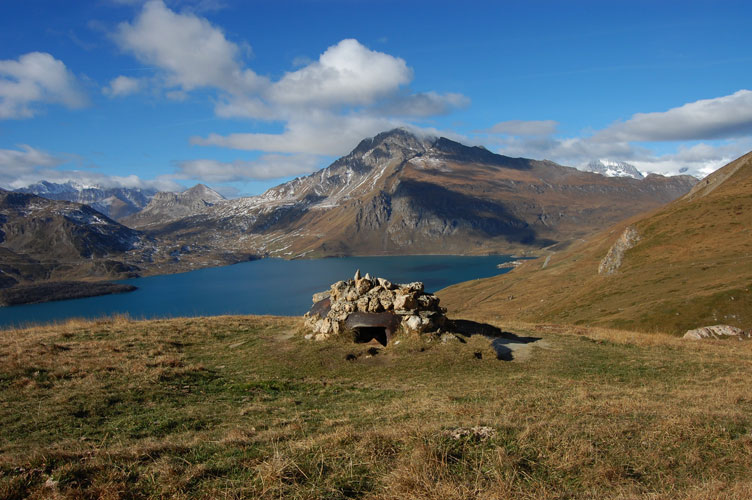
column 266, row 286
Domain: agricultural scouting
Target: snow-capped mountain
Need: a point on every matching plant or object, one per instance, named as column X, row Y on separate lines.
column 611, row 168
column 114, row 202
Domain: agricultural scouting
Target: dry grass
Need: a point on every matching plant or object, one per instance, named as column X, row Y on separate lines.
column 236, row 407
column 692, row 267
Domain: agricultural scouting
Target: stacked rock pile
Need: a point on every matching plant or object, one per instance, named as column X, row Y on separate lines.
column 373, row 302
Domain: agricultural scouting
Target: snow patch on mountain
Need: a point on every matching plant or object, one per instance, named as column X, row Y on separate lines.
column 611, row 168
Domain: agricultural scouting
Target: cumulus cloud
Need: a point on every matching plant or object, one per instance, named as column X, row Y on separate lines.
column 326, row 104
column 321, row 133
column 123, row 86
column 346, row 73
column 272, row 166
column 706, row 119
column 710, row 133
column 36, row 78
column 349, row 93
column 15, row 162
column 189, row 52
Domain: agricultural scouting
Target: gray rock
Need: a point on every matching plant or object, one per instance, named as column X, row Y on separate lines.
column 718, row 332
column 363, row 286
column 613, row 259
column 385, row 283
column 404, row 301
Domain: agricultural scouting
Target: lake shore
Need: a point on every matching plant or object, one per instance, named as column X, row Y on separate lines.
column 264, row 286
column 50, row 291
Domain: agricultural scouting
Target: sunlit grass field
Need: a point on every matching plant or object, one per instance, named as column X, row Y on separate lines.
column 244, row 407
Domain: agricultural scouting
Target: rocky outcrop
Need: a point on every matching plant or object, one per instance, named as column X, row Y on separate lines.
column 718, row 332
column 166, row 206
column 612, row 261
column 373, row 309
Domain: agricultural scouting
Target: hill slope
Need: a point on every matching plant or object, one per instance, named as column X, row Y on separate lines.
column 690, row 265
column 398, row 193
column 46, row 239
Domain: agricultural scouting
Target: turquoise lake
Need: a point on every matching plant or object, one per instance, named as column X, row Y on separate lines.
column 267, row 286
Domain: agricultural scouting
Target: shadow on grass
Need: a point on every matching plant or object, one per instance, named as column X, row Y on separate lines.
column 504, row 343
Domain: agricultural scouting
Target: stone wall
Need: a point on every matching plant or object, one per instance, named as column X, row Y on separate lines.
column 365, row 302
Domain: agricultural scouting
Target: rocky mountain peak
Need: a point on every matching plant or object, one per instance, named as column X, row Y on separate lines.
column 398, row 138
column 202, row 192
column 166, row 206
column 611, row 168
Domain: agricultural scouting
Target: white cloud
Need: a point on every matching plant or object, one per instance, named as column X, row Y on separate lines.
column 706, row 119
column 273, row 166
column 123, row 86
column 326, row 106
column 188, row 51
column 346, row 73
column 710, row 133
column 15, row 162
column 36, row 78
column 321, row 133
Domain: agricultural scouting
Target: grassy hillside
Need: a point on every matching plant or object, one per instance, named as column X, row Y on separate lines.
column 242, row 407
column 691, row 267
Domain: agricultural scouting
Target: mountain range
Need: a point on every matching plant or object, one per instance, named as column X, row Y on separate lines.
column 396, row 193
column 116, row 203
column 685, row 265
column 400, row 193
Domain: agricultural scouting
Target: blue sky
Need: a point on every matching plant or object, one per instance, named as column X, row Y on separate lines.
column 244, row 95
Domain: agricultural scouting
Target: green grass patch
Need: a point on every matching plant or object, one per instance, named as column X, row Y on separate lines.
column 246, row 408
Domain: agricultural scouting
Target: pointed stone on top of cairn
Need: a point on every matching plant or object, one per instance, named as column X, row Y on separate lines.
column 357, row 275
column 367, row 276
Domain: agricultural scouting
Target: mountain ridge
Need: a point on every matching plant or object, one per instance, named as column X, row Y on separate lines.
column 165, row 206
column 115, row 202
column 400, row 193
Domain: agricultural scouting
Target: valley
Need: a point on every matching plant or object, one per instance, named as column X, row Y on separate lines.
column 396, row 193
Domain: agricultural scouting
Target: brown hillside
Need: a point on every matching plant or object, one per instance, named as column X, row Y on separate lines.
column 692, row 266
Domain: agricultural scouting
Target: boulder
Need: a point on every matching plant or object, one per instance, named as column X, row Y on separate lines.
column 718, row 332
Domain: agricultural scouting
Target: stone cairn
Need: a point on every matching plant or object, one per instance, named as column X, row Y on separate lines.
column 373, row 302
